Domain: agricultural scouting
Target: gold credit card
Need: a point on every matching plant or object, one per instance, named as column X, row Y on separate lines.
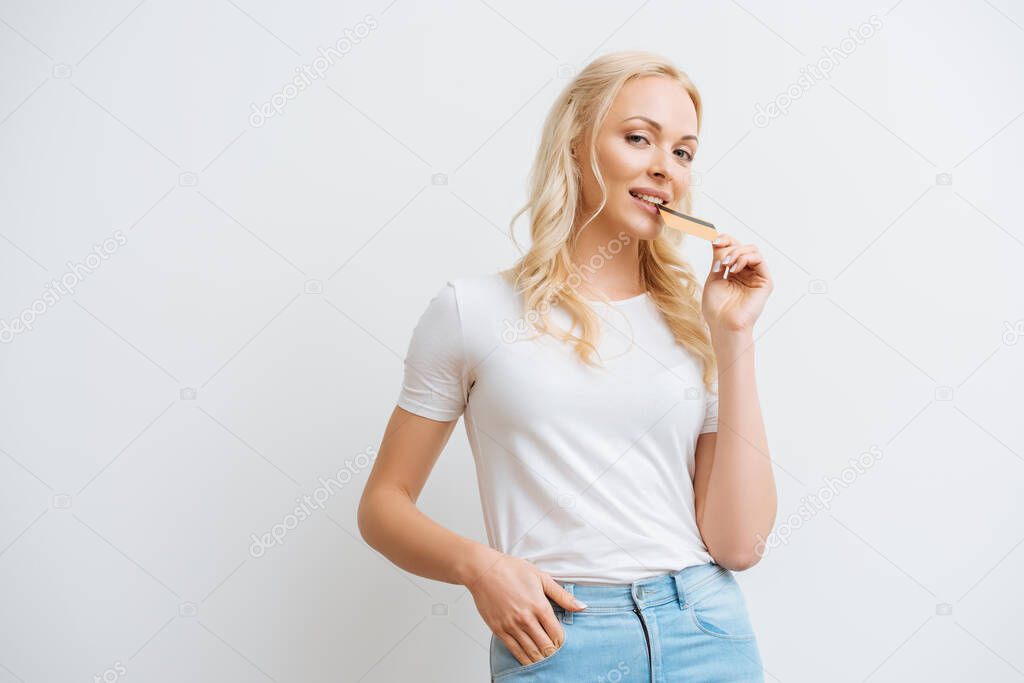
column 688, row 224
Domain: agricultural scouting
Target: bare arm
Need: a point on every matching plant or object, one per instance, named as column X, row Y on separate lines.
column 734, row 487
column 389, row 520
column 510, row 593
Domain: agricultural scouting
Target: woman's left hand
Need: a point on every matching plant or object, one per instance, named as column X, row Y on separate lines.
column 733, row 304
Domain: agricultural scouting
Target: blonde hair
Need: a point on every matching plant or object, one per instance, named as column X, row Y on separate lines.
column 544, row 272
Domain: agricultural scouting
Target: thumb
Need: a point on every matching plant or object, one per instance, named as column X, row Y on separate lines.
column 563, row 597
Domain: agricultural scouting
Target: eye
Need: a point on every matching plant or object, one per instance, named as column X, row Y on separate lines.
column 687, row 155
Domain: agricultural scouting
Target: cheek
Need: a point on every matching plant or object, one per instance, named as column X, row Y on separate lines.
column 618, row 162
column 683, row 179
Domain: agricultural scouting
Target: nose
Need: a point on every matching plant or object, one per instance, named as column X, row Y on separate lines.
column 659, row 167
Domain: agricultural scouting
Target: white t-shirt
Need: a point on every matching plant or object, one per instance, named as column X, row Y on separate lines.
column 587, row 473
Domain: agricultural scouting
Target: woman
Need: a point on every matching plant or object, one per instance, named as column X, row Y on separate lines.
column 615, row 509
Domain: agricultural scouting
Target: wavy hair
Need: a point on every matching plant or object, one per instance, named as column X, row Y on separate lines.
column 545, row 274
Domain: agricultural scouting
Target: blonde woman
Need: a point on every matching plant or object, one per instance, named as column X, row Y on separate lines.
column 593, row 376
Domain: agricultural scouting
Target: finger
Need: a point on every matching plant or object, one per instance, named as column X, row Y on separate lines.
column 724, row 262
column 730, row 254
column 733, row 261
column 723, row 240
column 513, row 646
column 544, row 642
column 563, row 597
column 748, row 256
column 549, row 622
column 752, row 258
column 528, row 646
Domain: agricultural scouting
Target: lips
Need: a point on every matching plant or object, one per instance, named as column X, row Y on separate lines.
column 653, row 192
column 645, row 205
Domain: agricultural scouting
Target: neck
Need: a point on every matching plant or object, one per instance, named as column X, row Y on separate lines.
column 607, row 262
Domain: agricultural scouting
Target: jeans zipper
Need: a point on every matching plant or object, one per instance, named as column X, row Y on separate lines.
column 647, row 639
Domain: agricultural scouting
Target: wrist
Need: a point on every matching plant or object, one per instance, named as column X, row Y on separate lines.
column 735, row 336
column 475, row 562
column 731, row 346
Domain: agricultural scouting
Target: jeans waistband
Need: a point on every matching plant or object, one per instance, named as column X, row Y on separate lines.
column 684, row 587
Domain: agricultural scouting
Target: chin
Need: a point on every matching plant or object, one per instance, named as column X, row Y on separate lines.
column 645, row 230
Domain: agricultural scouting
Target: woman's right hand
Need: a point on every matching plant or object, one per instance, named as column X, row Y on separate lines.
column 511, row 597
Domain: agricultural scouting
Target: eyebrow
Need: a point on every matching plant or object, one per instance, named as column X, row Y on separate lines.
column 657, row 126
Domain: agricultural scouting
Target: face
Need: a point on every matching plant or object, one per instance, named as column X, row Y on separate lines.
column 645, row 145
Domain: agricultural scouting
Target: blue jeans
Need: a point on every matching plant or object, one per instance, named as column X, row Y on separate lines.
column 690, row 625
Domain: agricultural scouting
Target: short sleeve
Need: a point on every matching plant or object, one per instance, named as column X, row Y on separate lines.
column 436, row 378
column 711, row 411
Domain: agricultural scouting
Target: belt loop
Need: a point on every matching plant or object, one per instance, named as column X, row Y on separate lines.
column 567, row 614
column 680, row 593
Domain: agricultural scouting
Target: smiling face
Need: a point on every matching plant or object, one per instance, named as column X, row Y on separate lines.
column 645, row 145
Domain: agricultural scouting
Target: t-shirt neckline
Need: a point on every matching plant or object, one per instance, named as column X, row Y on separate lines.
column 619, row 302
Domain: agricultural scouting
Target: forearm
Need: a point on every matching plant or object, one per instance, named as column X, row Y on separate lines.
column 741, row 501
column 390, row 522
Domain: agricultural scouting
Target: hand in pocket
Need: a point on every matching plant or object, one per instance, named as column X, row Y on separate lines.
column 512, row 598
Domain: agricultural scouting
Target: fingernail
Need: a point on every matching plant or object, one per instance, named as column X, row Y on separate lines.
column 717, row 240
column 581, row 605
column 717, row 266
column 727, row 260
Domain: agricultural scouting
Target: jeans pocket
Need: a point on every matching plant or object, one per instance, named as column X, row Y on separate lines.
column 722, row 610
column 504, row 663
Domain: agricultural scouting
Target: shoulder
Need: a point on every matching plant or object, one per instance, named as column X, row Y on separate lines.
column 472, row 296
column 478, row 294
column 482, row 286
column 482, row 304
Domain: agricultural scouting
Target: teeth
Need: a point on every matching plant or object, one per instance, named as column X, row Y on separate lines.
column 649, row 198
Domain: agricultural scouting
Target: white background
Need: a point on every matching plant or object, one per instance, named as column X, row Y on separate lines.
column 197, row 382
